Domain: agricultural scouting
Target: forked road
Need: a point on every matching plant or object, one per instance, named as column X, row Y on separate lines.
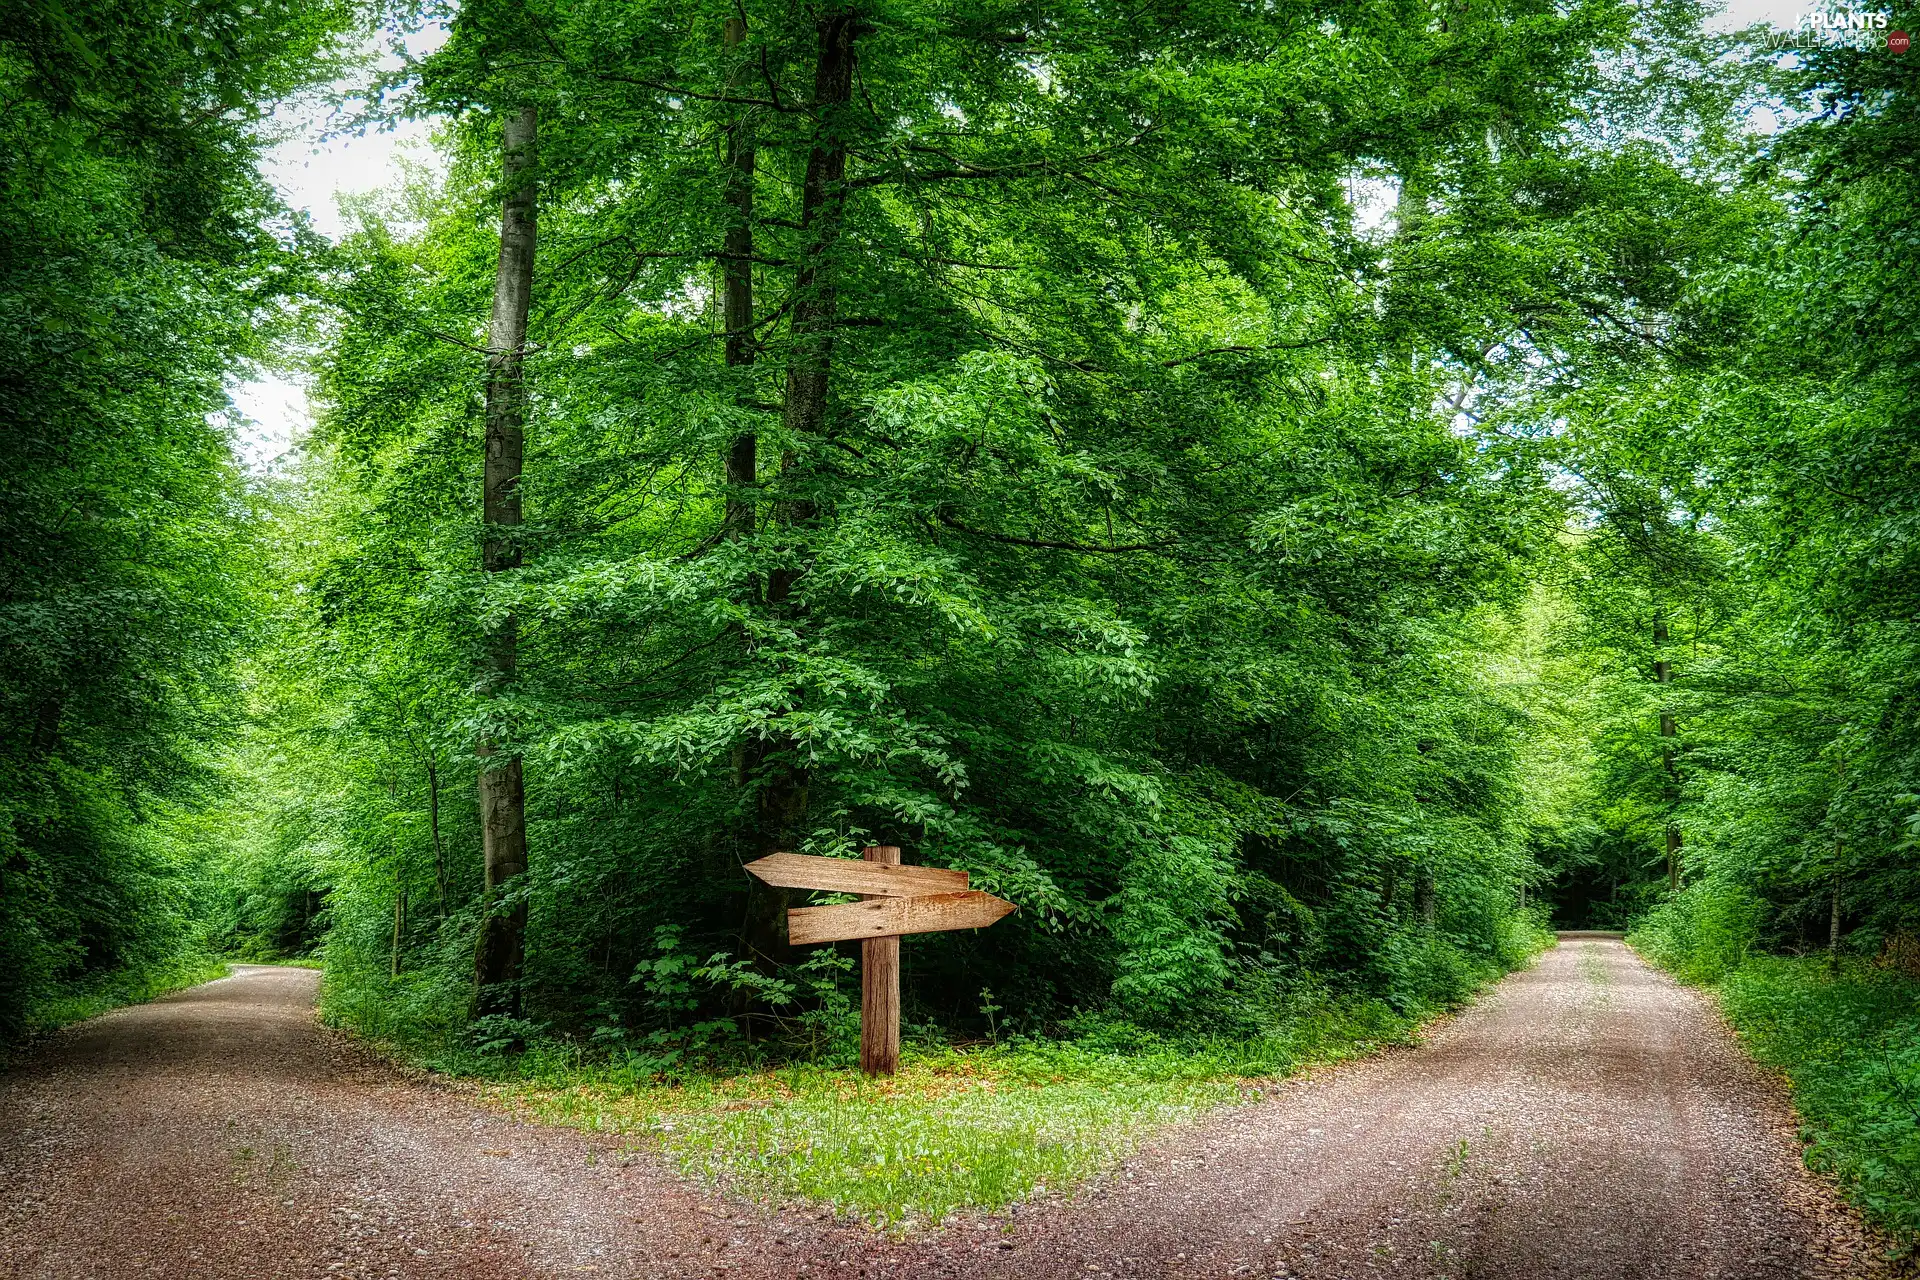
column 1587, row 1119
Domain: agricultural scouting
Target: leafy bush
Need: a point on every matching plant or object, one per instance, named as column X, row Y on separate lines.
column 1848, row 1041
column 1703, row 933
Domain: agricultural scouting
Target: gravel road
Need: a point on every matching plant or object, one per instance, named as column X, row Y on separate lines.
column 1588, row 1119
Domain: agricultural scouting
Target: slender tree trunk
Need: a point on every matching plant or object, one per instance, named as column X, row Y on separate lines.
column 1663, row 675
column 500, row 949
column 399, row 919
column 742, row 468
column 816, row 307
column 433, row 827
column 399, row 879
column 1833, row 914
column 1839, row 869
column 781, row 803
column 763, row 930
column 1409, row 216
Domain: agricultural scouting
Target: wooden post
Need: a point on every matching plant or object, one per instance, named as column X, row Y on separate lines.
column 880, row 987
column 894, row 900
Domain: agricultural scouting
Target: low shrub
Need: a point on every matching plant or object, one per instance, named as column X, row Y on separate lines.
column 1848, row 1040
column 1706, row 931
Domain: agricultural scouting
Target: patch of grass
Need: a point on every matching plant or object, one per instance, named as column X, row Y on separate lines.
column 958, row 1130
column 939, row 1138
column 91, row 997
column 962, row 1129
column 1848, row 1042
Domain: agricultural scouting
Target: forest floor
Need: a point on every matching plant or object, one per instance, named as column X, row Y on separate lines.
column 1588, row 1118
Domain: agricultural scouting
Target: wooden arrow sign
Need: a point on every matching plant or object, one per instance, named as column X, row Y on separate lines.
column 887, row 917
column 844, row 875
column 896, row 900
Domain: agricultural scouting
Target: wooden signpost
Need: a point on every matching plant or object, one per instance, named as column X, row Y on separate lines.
column 895, row 899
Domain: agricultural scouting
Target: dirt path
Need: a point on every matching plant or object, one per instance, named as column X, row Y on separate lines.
column 1589, row 1119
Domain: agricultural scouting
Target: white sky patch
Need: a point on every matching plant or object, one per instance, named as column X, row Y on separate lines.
column 314, row 168
column 1740, row 14
column 1780, row 15
column 314, row 171
column 1373, row 201
column 268, row 412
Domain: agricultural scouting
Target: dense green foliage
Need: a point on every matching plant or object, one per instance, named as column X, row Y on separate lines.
column 1015, row 433
column 1755, row 486
column 1752, row 483
column 1138, row 560
column 139, row 261
column 1850, row 1046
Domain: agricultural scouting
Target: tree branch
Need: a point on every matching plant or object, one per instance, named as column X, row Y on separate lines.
column 1049, row 544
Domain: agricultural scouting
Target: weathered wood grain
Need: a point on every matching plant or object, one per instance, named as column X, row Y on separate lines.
column 843, row 875
column 880, row 984
column 885, row 917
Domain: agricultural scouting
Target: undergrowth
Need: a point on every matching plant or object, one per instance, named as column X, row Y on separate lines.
column 961, row 1128
column 1844, row 1033
column 90, row 997
column 1848, row 1041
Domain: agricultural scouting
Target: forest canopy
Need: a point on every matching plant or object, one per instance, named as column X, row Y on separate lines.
column 1296, row 498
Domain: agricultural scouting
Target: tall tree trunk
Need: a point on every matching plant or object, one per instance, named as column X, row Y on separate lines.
column 501, row 947
column 399, row 877
column 763, row 928
column 433, row 828
column 1409, row 216
column 816, row 307
column 781, row 803
column 1833, row 913
column 1663, row 675
column 742, row 468
column 399, row 919
column 1839, row 868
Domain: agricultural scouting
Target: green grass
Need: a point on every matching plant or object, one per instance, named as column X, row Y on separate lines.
column 1848, row 1042
column 958, row 1130
column 91, row 997
column 961, row 1129
column 936, row 1139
